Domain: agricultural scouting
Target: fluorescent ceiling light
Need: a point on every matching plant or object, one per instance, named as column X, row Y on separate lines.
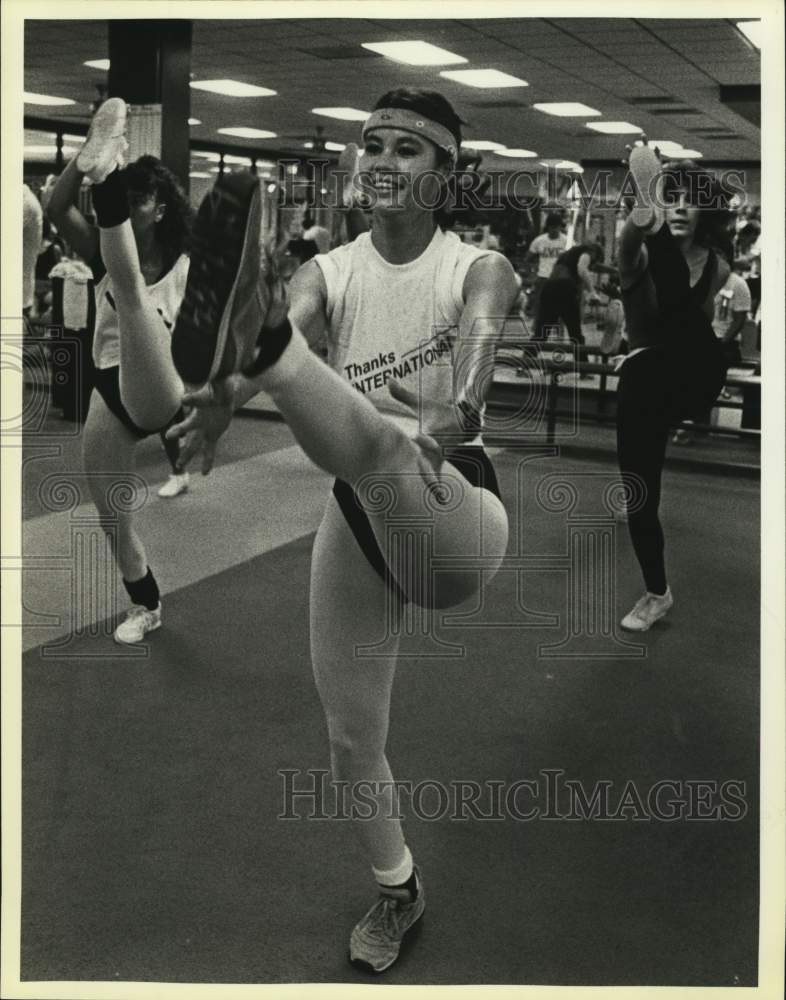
column 243, row 132
column 345, row 114
column 517, row 154
column 614, row 128
column 674, row 150
column 567, row 109
column 752, row 31
column 213, row 157
column 198, row 173
column 415, row 53
column 97, row 63
column 46, row 99
column 231, row 158
column 482, row 144
column 232, row 88
column 491, row 78
column 334, row 147
column 194, row 121
column 574, row 168
column 662, row 144
column 74, row 138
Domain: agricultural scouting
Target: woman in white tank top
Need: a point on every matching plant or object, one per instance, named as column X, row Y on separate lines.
column 396, row 417
column 143, row 222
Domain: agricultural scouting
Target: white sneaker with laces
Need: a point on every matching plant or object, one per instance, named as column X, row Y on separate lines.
column 106, row 141
column 174, row 486
column 647, row 610
column 137, row 623
column 376, row 940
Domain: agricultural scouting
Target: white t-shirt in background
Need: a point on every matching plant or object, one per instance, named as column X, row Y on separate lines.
column 166, row 295
column 547, row 250
column 32, row 235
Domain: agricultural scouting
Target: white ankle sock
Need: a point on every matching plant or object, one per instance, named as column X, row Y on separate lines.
column 397, row 875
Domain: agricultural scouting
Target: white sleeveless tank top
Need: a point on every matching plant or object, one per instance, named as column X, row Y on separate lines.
column 398, row 321
column 166, row 295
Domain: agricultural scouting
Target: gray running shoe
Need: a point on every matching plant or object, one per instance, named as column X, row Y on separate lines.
column 376, row 940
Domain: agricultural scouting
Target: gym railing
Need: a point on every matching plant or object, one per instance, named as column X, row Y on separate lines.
column 568, row 359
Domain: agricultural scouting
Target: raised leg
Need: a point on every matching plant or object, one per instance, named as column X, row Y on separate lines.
column 343, row 433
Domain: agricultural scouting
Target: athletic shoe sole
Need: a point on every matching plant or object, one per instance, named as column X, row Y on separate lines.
column 645, row 169
column 106, row 141
column 215, row 333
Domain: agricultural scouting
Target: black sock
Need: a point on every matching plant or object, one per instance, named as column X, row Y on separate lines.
column 172, row 447
column 411, row 885
column 110, row 200
column 144, row 591
column 271, row 344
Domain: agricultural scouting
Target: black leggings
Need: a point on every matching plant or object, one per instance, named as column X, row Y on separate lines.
column 658, row 388
column 172, row 447
column 559, row 299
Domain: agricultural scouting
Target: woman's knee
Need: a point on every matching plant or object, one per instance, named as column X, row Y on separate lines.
column 356, row 742
column 147, row 414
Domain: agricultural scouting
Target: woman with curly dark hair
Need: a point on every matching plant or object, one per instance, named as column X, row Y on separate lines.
column 671, row 267
column 143, row 227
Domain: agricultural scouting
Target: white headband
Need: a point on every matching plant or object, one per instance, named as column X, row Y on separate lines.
column 417, row 124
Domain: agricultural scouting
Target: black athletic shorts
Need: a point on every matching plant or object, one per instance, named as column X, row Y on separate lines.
column 107, row 384
column 470, row 460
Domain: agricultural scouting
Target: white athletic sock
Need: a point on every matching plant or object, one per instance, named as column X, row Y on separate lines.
column 397, row 875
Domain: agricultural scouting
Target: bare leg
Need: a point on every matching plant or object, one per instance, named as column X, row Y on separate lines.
column 108, row 447
column 150, row 387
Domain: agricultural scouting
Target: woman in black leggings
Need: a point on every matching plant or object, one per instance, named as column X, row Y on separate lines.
column 675, row 370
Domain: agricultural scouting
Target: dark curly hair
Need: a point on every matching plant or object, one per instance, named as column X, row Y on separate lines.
column 433, row 105
column 705, row 192
column 147, row 176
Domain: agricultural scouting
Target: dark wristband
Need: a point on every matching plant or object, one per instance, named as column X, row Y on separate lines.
column 272, row 344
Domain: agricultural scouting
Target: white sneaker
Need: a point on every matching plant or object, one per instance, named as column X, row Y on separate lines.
column 647, row 610
column 174, row 486
column 376, row 940
column 137, row 623
column 106, row 141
